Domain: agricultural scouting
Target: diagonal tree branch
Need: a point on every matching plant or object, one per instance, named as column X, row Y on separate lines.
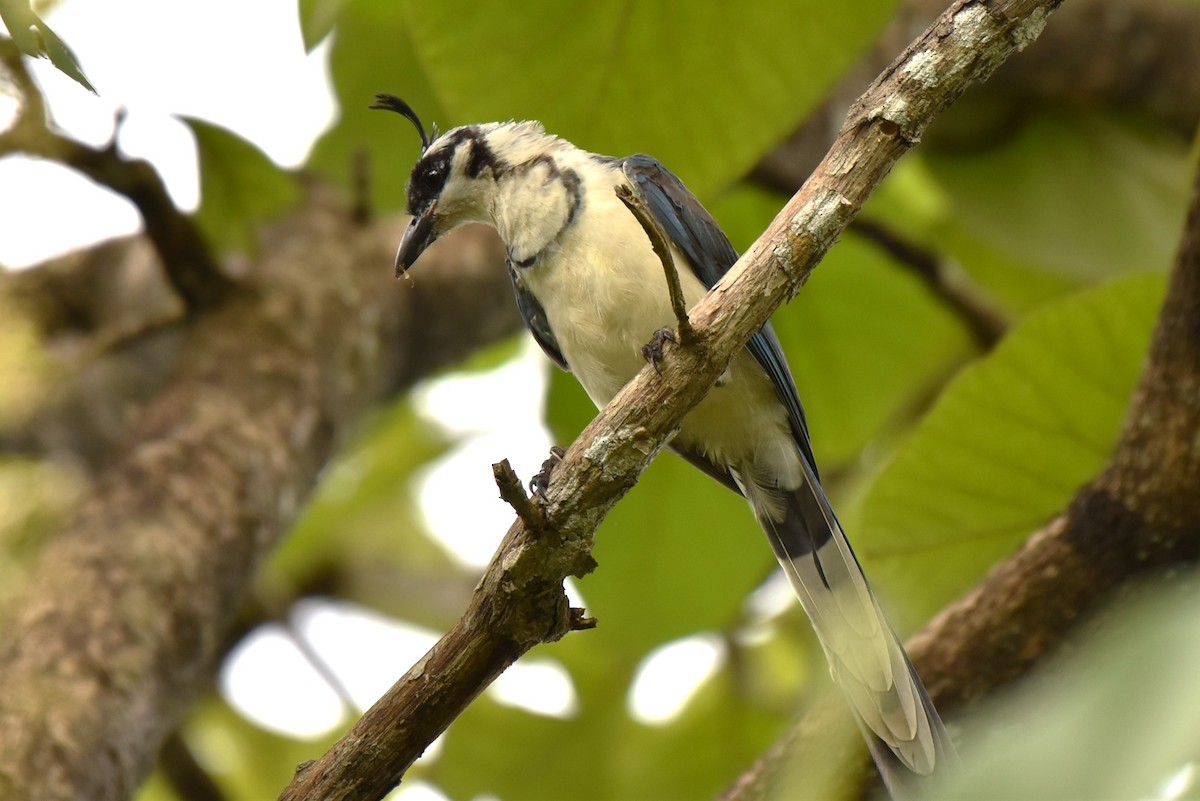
column 520, row 601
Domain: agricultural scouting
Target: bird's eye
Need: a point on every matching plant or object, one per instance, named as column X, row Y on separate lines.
column 434, row 176
column 427, row 181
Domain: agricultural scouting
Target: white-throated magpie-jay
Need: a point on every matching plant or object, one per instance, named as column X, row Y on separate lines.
column 592, row 291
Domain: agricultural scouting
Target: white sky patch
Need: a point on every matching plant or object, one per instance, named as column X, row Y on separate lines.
column 499, row 415
column 239, row 65
column 670, row 675
column 1179, row 784
column 267, row 679
column 771, row 598
column 541, row 686
column 416, row 791
column 271, row 680
column 365, row 649
column 48, row 210
column 471, row 403
column 574, row 596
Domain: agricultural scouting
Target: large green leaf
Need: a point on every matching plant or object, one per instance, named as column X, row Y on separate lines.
column 1008, row 443
column 1042, row 208
column 317, row 18
column 1081, row 195
column 917, row 208
column 240, row 187
column 705, row 87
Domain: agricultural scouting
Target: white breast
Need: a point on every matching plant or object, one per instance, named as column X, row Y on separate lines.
column 605, row 294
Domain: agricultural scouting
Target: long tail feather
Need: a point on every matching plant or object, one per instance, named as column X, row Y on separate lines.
column 906, row 736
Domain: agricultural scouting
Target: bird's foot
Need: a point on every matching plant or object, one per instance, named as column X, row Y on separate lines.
column 541, row 481
column 653, row 351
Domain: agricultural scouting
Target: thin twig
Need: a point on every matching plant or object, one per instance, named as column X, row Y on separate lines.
column 513, row 493
column 318, row 663
column 658, row 240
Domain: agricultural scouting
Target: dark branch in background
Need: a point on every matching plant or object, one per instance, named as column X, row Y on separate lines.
column 1138, row 519
column 1131, row 56
column 520, row 600
column 185, row 255
column 985, row 323
column 185, row 774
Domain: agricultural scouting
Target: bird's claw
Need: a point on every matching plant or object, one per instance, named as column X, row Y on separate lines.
column 541, row 481
column 653, row 350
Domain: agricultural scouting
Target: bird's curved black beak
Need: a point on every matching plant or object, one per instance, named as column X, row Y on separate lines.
column 418, row 236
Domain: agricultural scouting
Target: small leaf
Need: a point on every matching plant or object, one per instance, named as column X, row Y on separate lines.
column 317, row 18
column 33, row 37
column 240, row 187
column 1008, row 443
column 62, row 57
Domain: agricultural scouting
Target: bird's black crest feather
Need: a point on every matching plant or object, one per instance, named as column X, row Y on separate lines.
column 392, row 103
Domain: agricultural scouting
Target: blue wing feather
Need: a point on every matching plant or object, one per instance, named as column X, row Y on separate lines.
column 696, row 234
column 535, row 320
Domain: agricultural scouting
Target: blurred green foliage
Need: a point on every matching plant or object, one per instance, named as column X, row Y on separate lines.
column 1113, row 718
column 940, row 458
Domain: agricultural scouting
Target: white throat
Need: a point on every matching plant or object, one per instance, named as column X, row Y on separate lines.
column 535, row 203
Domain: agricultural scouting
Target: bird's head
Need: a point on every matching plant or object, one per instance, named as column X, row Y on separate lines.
column 455, row 179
